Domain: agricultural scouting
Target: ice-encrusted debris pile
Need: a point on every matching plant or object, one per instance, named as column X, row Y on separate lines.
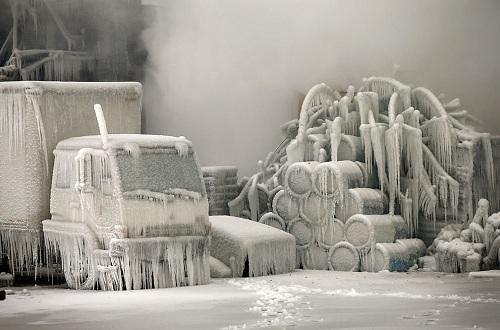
column 359, row 173
column 34, row 117
column 221, row 183
column 461, row 248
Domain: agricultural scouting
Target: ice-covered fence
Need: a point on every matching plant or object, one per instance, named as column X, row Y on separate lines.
column 34, row 116
column 221, row 183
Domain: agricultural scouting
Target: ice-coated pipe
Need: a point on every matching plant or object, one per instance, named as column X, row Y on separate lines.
column 103, row 129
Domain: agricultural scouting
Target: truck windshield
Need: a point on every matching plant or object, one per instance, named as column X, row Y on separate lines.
column 159, row 171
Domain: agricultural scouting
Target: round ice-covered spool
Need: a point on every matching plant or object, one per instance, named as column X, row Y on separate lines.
column 416, row 249
column 393, row 257
column 285, row 206
column 333, row 178
column 316, row 257
column 315, row 209
column 363, row 201
column 350, row 148
column 343, row 257
column 332, row 233
column 298, row 181
column 302, row 231
column 363, row 230
column 273, row 220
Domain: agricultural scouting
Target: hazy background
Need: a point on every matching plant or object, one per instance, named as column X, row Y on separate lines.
column 227, row 73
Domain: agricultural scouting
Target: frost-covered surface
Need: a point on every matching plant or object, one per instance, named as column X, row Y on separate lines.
column 237, row 241
column 34, row 117
column 301, row 300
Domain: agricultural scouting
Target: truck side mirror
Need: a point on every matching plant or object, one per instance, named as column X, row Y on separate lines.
column 84, row 179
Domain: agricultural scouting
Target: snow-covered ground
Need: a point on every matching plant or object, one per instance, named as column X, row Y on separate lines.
column 300, row 300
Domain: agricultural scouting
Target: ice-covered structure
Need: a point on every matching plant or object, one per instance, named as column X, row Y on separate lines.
column 34, row 117
column 128, row 211
column 250, row 248
column 360, row 172
column 221, row 183
column 72, row 40
column 473, row 246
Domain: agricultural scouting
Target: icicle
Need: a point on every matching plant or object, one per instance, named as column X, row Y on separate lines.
column 367, row 145
column 12, row 113
column 22, row 247
column 393, row 108
column 76, row 253
column 253, row 199
column 377, row 135
column 407, row 213
column 488, row 160
column 427, row 200
column 412, row 146
column 33, row 97
column 344, row 108
column 335, row 130
column 163, row 262
column 439, row 177
column 353, row 123
column 443, row 140
column 393, row 151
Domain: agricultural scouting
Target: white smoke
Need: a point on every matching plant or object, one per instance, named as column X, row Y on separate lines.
column 226, row 74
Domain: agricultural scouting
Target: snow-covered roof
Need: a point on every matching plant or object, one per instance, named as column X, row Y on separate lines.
column 59, row 87
column 121, row 140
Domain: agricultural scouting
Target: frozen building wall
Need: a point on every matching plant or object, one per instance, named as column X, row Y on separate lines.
column 34, row 116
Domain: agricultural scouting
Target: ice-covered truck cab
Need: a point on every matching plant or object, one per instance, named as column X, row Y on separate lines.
column 128, row 211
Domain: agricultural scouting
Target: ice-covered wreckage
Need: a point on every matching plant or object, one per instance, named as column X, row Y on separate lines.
column 360, row 175
column 34, row 117
column 128, row 211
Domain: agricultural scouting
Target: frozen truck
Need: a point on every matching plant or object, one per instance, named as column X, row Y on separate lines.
column 128, row 211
